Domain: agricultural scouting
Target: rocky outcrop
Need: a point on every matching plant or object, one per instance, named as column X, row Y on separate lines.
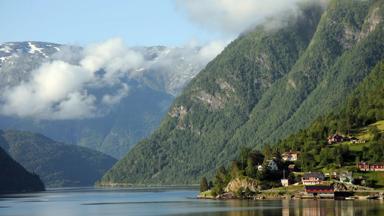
column 214, row 102
column 179, row 112
column 348, row 187
column 242, row 184
column 371, row 23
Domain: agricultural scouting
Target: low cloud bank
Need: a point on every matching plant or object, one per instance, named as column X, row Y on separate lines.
column 88, row 84
column 235, row 16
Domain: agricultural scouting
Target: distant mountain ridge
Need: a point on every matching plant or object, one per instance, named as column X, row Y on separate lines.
column 57, row 164
column 134, row 118
column 263, row 87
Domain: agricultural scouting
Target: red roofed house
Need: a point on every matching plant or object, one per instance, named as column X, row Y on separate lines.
column 325, row 191
column 364, row 166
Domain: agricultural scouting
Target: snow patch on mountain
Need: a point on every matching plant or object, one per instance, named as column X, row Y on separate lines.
column 33, row 49
column 5, row 49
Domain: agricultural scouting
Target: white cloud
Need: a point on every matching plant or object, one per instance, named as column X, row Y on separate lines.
column 85, row 83
column 234, row 16
column 59, row 90
column 112, row 56
column 211, row 50
column 76, row 105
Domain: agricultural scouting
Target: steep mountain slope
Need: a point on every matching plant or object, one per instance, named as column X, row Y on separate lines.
column 57, row 164
column 134, row 118
column 263, row 87
column 361, row 116
column 348, row 43
column 14, row 177
column 194, row 136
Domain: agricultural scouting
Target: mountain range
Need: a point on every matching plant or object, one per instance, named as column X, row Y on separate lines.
column 133, row 118
column 267, row 84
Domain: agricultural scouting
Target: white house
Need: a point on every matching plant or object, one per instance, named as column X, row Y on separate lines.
column 312, row 178
column 272, row 165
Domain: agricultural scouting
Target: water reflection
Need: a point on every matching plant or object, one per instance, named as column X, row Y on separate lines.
column 299, row 208
column 173, row 202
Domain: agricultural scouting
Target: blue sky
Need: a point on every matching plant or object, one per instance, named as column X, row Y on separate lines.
column 138, row 22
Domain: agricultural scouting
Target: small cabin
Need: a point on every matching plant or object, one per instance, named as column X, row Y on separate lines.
column 335, row 138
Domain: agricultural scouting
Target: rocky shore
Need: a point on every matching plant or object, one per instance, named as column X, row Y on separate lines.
column 247, row 188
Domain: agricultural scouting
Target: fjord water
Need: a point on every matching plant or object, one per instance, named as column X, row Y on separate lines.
column 148, row 202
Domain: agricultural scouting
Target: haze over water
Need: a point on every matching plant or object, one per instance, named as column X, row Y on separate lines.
column 148, row 202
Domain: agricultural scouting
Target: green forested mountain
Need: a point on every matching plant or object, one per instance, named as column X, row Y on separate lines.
column 57, row 164
column 14, row 178
column 359, row 116
column 265, row 85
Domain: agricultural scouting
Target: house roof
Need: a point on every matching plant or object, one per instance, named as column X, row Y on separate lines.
column 373, row 164
column 318, row 175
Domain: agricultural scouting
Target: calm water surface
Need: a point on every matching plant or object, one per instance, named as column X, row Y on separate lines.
column 103, row 202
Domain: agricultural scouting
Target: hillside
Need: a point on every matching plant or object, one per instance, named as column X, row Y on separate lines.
column 57, row 164
column 265, row 85
column 361, row 116
column 151, row 92
column 216, row 103
column 14, row 177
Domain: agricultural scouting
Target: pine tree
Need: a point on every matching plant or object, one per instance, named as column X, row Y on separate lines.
column 203, row 184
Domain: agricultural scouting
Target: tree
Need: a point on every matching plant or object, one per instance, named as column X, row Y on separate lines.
column 375, row 133
column 257, row 157
column 210, row 184
column 221, row 180
column 204, row 184
column 235, row 170
column 371, row 183
column 307, row 161
column 267, row 152
column 222, row 175
column 244, row 153
column 292, row 178
column 250, row 170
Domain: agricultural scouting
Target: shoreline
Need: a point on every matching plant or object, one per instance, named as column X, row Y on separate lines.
column 299, row 195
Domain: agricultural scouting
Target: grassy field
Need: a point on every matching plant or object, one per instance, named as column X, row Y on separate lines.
column 362, row 134
column 289, row 189
column 353, row 146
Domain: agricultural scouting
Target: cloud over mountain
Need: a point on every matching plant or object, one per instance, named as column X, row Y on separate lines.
column 60, row 90
column 88, row 83
column 235, row 16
